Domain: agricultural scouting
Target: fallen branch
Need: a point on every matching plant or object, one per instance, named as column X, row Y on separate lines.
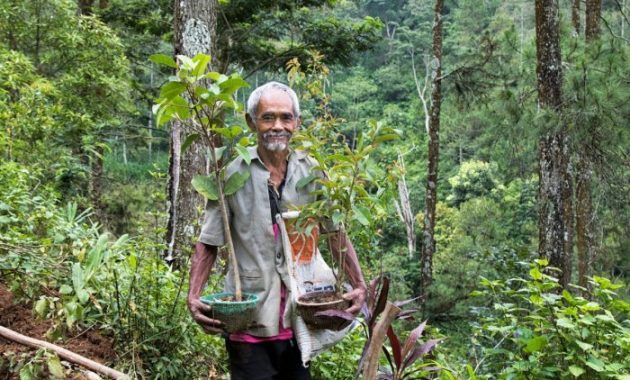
column 62, row 352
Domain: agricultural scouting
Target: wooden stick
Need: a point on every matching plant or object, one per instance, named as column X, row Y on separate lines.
column 62, row 352
column 378, row 338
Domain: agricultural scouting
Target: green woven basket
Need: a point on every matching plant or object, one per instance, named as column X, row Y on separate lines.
column 236, row 316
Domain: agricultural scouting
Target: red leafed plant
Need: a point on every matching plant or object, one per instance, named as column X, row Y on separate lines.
column 402, row 357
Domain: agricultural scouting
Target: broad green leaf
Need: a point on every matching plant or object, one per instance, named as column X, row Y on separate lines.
column 235, row 182
column 83, row 296
column 41, row 307
column 305, row 181
column 387, row 137
column 77, row 277
column 535, row 273
column 191, row 138
column 171, row 90
column 180, row 107
column 595, row 364
column 566, row 323
column 201, row 63
column 583, row 345
column 243, row 153
column 536, row 344
column 65, row 289
column 206, row 186
column 213, row 75
column 162, row 59
column 337, row 217
column 26, row 373
column 55, row 367
column 187, row 63
column 229, row 86
column 576, row 371
column 361, row 214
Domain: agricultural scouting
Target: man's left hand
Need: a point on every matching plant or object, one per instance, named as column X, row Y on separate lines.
column 357, row 296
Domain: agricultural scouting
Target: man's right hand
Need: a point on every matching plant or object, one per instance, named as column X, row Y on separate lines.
column 200, row 313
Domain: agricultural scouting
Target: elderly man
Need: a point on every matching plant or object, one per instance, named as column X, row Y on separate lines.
column 268, row 350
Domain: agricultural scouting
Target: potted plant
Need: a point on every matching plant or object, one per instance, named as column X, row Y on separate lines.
column 199, row 98
column 350, row 193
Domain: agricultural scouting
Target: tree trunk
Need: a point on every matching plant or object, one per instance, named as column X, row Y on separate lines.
column 195, row 31
column 428, row 238
column 555, row 218
column 85, row 7
column 593, row 14
column 575, row 16
column 584, row 198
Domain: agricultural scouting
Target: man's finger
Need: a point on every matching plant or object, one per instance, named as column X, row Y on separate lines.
column 208, row 322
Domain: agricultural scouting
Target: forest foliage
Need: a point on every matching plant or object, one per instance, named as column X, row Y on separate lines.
column 83, row 176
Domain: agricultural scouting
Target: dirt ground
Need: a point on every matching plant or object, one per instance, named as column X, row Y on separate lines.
column 19, row 317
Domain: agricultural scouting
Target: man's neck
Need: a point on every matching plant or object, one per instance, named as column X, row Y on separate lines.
column 273, row 160
column 276, row 163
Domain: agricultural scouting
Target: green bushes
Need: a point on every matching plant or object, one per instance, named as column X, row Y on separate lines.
column 532, row 330
column 78, row 277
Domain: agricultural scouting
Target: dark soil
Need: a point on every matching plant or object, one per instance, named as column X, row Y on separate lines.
column 20, row 318
column 324, row 297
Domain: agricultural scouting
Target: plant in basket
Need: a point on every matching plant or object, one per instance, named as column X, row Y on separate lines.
column 199, row 98
column 351, row 196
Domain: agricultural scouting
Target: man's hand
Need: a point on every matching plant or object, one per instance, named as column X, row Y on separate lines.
column 200, row 312
column 357, row 296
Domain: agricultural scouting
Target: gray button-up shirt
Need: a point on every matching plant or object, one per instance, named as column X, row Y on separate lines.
column 260, row 257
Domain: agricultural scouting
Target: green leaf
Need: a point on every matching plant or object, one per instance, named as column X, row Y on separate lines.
column 535, row 273
column 77, row 277
column 229, row 86
column 55, row 367
column 201, row 63
column 361, row 214
column 180, row 106
column 162, row 59
column 576, row 371
column 206, row 186
column 65, row 289
column 26, row 373
column 536, row 344
column 387, row 137
column 41, row 307
column 83, row 296
column 243, row 153
column 305, row 181
column 337, row 217
column 235, row 182
column 171, row 90
column 191, row 138
column 4, row 219
column 583, row 345
column 595, row 364
column 566, row 323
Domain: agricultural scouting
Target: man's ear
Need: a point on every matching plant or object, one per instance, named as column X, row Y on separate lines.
column 250, row 122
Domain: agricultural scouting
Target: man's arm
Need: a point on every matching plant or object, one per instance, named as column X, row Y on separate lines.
column 202, row 262
column 343, row 251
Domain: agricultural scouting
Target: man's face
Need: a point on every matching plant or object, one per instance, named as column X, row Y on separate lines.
column 275, row 121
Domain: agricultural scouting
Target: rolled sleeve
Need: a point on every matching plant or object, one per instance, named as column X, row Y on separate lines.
column 212, row 232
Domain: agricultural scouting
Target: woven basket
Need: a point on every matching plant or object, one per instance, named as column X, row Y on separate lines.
column 307, row 308
column 236, row 316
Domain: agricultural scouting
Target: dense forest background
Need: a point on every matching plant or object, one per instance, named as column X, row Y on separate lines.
column 86, row 168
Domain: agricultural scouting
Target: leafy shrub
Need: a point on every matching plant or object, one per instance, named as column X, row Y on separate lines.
column 536, row 330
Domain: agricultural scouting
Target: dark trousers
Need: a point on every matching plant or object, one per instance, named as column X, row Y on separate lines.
column 275, row 360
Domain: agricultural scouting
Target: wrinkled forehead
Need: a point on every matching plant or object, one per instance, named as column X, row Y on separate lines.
column 275, row 100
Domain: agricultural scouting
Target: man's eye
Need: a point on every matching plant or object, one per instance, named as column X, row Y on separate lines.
column 287, row 118
column 268, row 118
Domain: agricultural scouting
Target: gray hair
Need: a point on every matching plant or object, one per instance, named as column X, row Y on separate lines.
column 254, row 98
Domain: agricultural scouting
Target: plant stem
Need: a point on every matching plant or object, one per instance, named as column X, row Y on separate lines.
column 208, row 135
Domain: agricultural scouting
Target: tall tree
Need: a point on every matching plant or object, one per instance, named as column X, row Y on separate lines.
column 588, row 145
column 430, row 200
column 195, row 32
column 554, row 189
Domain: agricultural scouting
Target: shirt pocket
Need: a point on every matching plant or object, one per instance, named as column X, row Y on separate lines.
column 252, row 281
